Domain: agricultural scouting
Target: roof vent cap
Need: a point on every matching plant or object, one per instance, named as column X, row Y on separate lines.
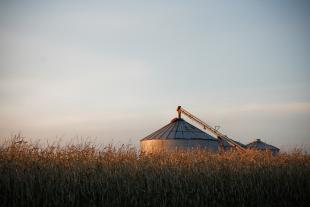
column 174, row 120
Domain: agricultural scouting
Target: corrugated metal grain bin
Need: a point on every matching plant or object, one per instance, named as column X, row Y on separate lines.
column 259, row 145
column 178, row 134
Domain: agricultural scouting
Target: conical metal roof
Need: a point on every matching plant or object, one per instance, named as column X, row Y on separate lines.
column 258, row 144
column 179, row 129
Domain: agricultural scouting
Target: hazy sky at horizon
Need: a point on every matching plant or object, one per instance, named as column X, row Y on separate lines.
column 117, row 70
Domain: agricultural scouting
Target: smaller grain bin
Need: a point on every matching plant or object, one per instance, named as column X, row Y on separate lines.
column 178, row 134
column 259, row 145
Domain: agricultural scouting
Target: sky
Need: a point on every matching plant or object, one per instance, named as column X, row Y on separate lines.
column 115, row 71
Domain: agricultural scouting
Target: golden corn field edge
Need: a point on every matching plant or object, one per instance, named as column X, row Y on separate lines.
column 83, row 175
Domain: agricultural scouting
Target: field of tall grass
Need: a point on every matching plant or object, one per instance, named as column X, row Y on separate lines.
column 83, row 175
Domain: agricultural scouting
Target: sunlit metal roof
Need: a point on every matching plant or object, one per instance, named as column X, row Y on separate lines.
column 179, row 129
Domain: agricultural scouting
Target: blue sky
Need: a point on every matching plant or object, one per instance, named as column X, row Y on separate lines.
column 117, row 70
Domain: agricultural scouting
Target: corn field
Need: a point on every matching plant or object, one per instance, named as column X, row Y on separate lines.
column 83, row 175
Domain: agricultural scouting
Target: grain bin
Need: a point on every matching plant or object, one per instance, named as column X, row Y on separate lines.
column 178, row 134
column 260, row 145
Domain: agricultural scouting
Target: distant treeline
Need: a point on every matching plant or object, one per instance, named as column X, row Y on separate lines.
column 82, row 175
